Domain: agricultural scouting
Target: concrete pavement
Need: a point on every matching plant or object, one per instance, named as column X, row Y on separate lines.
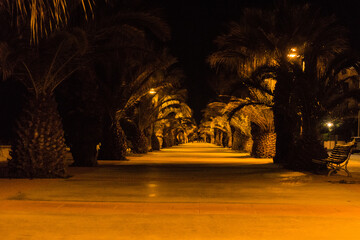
column 192, row 191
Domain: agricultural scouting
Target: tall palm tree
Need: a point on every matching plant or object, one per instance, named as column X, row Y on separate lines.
column 39, row 148
column 258, row 109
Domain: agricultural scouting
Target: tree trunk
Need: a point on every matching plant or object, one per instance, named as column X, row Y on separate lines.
column 309, row 145
column 84, row 154
column 241, row 141
column 230, row 139
column 113, row 146
column 83, row 135
column 285, row 117
column 39, row 148
column 140, row 143
column 155, row 144
column 264, row 145
column 306, row 149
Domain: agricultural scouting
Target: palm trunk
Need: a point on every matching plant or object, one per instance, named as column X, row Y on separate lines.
column 285, row 117
column 140, row 143
column 39, row 148
column 264, row 145
column 230, row 139
column 113, row 146
column 84, row 154
column 155, row 144
column 241, row 141
column 309, row 145
column 218, row 137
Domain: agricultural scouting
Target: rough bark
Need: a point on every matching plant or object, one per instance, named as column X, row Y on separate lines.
column 241, row 142
column 39, row 148
column 264, row 145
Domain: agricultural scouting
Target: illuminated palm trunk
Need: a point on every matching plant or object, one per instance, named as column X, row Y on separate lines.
column 264, row 145
column 241, row 141
column 140, row 143
column 39, row 148
column 155, row 144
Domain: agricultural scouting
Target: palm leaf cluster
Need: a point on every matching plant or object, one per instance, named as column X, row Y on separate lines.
column 42, row 18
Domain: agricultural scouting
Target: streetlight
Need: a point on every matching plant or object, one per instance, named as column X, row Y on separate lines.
column 293, row 53
column 151, row 92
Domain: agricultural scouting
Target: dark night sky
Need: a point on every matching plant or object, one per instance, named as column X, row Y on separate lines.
column 196, row 23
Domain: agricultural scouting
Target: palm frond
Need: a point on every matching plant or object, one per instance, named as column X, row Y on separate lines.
column 44, row 17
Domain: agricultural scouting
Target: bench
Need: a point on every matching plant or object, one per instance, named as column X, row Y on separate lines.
column 338, row 159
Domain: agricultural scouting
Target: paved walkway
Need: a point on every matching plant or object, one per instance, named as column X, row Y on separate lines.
column 193, row 191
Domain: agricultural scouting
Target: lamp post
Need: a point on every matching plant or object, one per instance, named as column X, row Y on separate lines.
column 329, row 125
column 152, row 91
column 358, row 130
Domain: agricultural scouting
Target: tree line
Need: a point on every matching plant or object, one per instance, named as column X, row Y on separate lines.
column 282, row 73
column 94, row 76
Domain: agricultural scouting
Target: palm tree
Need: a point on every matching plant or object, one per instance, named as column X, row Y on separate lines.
column 242, row 138
column 219, row 123
column 259, row 112
column 259, row 47
column 39, row 148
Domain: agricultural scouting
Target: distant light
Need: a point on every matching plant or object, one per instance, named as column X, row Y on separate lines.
column 329, row 124
column 152, row 91
column 293, row 53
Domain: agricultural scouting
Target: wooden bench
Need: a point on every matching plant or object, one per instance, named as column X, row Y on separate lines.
column 338, row 159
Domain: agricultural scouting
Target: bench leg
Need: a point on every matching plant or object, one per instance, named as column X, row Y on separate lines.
column 347, row 171
column 331, row 171
column 334, row 170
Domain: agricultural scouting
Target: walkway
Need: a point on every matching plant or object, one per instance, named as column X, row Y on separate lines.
column 193, row 191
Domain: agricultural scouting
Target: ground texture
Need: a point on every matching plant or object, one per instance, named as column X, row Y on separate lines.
column 192, row 191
